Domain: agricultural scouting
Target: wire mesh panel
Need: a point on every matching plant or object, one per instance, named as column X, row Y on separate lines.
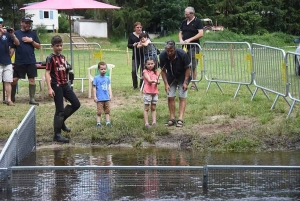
column 293, row 77
column 269, row 68
column 105, row 183
column 255, row 181
column 228, row 62
column 8, row 156
column 26, row 135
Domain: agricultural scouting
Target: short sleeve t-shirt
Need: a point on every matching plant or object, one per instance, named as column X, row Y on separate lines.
column 5, row 43
column 191, row 29
column 25, row 51
column 102, row 87
column 150, row 88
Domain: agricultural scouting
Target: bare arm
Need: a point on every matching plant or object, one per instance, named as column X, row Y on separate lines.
column 180, row 36
column 48, row 81
column 147, row 77
column 14, row 38
column 186, row 78
column 196, row 37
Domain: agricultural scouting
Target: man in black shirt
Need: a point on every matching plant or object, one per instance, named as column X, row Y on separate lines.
column 191, row 30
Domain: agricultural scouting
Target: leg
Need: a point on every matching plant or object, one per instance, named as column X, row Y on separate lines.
column 107, row 112
column 69, row 94
column 171, row 105
column 146, row 109
column 153, row 112
column 8, row 93
column 14, row 89
column 59, row 115
column 182, row 104
column 98, row 115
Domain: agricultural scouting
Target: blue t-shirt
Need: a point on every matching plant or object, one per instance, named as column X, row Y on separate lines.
column 102, row 91
column 25, row 51
column 5, row 43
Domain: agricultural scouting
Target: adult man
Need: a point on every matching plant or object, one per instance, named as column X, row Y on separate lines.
column 25, row 58
column 7, row 39
column 175, row 72
column 191, row 30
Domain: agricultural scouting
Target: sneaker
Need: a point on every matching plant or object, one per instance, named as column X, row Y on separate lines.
column 98, row 125
column 108, row 125
column 147, row 126
column 10, row 103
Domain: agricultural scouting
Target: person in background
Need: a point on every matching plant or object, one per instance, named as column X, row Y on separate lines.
column 7, row 39
column 148, row 48
column 137, row 53
column 191, row 30
column 175, row 72
column 102, row 94
column 58, row 88
column 25, row 62
column 150, row 91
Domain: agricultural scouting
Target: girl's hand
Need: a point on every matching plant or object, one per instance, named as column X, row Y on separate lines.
column 51, row 93
column 95, row 100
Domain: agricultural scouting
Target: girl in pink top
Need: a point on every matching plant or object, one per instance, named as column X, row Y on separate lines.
column 150, row 91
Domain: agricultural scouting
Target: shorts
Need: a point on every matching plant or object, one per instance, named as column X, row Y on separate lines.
column 174, row 85
column 20, row 71
column 192, row 53
column 103, row 107
column 6, row 73
column 150, row 99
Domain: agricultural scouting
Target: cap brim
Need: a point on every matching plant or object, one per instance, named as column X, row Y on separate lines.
column 27, row 21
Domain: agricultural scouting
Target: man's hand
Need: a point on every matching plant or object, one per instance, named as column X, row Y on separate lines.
column 185, row 86
column 27, row 39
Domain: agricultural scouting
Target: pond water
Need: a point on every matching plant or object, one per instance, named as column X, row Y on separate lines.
column 162, row 157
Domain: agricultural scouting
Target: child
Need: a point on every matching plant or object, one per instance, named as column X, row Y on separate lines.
column 58, row 88
column 149, row 49
column 150, row 91
column 102, row 94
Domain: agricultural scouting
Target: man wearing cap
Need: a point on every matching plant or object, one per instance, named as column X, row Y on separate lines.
column 25, row 62
column 7, row 39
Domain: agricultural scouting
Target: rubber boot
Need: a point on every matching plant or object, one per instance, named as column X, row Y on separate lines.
column 13, row 92
column 32, row 94
column 68, row 112
column 58, row 121
column 134, row 80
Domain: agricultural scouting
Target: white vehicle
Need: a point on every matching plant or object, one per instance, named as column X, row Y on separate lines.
column 209, row 26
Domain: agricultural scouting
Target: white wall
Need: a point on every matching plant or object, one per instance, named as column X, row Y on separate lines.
column 90, row 28
column 38, row 18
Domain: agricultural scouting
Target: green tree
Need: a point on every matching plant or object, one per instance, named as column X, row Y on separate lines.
column 63, row 23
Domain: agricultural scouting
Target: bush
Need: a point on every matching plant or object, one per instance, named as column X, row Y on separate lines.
column 41, row 29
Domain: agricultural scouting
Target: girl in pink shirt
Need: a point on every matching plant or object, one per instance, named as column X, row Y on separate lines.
column 150, row 91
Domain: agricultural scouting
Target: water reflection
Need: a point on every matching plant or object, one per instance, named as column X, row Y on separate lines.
column 163, row 157
column 154, row 184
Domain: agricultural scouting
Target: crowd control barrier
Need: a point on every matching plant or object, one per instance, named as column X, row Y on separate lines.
column 270, row 71
column 228, row 62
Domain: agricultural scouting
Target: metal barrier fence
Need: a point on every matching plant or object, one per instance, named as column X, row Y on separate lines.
column 293, row 78
column 21, row 142
column 150, row 182
column 84, row 56
column 228, row 62
column 270, row 71
column 193, row 49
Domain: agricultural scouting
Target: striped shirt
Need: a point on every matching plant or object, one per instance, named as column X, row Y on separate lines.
column 57, row 66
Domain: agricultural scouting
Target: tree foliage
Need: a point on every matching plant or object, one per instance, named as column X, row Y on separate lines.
column 240, row 16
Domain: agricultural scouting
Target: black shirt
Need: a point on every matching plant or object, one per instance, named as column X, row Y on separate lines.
column 191, row 29
column 176, row 68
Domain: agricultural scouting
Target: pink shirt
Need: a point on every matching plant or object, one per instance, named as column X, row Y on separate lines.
column 150, row 88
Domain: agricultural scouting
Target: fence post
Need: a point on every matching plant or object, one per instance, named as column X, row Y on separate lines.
column 9, row 181
column 205, row 178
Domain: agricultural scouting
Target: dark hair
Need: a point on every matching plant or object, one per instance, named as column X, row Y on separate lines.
column 101, row 63
column 170, row 44
column 56, row 40
column 143, row 35
column 153, row 59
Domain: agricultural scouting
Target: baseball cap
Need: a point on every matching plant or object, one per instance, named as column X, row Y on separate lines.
column 26, row 19
column 1, row 20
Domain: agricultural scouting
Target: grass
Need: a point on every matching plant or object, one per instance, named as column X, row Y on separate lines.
column 213, row 121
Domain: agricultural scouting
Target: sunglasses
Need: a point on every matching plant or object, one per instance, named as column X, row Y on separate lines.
column 27, row 22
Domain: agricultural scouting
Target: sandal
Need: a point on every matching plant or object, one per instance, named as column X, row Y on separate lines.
column 171, row 122
column 193, row 87
column 179, row 123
